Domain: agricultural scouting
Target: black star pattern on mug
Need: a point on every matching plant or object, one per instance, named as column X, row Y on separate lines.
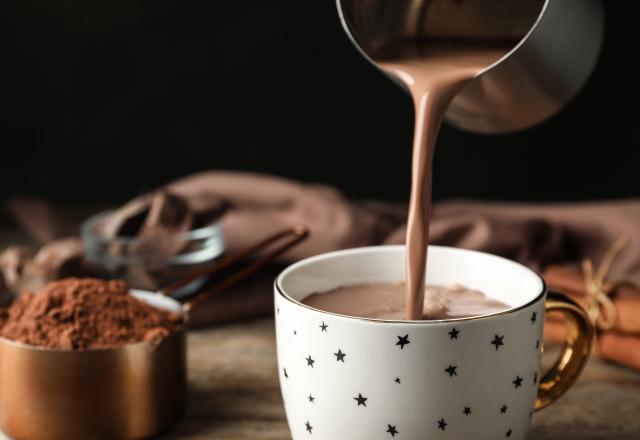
column 295, row 333
column 392, row 430
column 504, row 409
column 285, row 373
column 361, row 400
column 402, row 341
column 310, row 361
column 442, row 424
column 451, row 369
column 453, row 334
column 508, row 433
column 308, row 427
column 534, row 317
column 339, row 356
column 517, row 383
column 467, row 410
column 498, row 341
column 535, row 379
column 311, row 398
column 323, row 326
column 397, row 380
column 278, row 310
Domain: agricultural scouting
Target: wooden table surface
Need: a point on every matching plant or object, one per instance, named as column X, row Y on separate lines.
column 234, row 393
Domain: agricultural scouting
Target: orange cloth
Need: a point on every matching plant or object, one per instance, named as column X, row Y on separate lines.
column 623, row 349
column 620, row 348
column 626, row 297
column 622, row 343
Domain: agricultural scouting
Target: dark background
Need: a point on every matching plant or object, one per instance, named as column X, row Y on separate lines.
column 102, row 100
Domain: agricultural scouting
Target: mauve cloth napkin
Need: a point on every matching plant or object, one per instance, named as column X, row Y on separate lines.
column 534, row 234
column 261, row 205
column 537, row 235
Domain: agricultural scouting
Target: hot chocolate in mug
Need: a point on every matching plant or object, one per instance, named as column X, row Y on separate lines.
column 348, row 378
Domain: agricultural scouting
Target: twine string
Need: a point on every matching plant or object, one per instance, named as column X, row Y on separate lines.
column 600, row 307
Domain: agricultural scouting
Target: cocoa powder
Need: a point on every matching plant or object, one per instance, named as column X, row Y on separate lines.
column 85, row 313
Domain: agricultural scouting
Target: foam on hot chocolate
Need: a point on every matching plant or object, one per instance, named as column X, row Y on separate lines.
column 387, row 301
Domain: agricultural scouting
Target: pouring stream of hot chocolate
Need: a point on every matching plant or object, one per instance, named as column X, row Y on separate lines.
column 433, row 76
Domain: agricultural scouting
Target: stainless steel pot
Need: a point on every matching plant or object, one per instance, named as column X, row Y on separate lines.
column 537, row 78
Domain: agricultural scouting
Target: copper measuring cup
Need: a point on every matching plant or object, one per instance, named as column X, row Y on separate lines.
column 135, row 391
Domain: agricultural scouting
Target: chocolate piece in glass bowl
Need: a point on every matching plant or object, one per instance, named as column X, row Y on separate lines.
column 143, row 214
column 207, row 208
column 164, row 210
column 161, row 236
column 156, row 238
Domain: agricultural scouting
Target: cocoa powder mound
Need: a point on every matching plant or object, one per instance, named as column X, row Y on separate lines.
column 85, row 313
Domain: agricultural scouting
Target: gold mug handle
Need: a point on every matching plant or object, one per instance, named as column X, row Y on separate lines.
column 577, row 347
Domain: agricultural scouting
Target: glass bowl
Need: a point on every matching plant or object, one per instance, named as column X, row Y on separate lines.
column 149, row 263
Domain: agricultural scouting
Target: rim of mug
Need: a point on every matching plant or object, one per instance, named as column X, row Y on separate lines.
column 358, row 250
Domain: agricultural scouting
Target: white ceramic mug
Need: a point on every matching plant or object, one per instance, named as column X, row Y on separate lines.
column 347, row 378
